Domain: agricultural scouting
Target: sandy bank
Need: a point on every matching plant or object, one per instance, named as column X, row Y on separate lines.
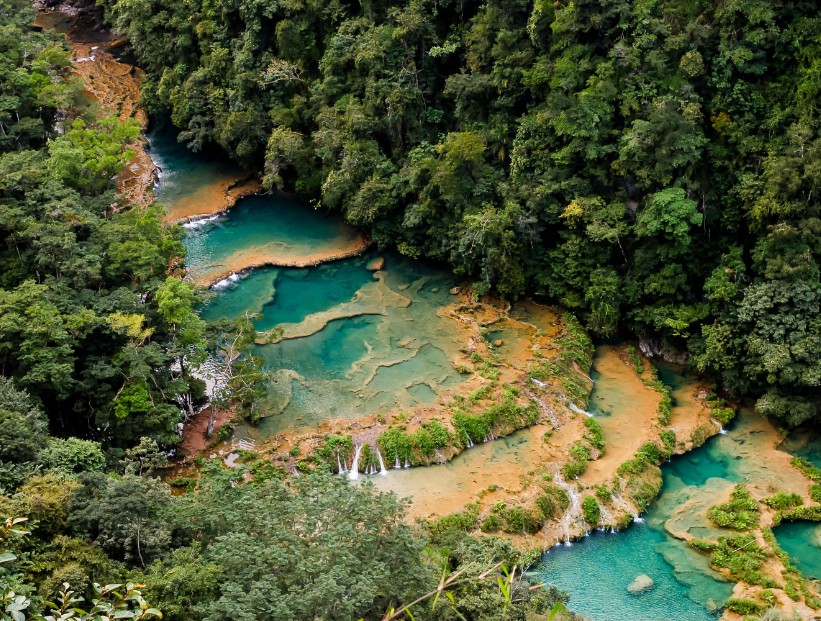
column 278, row 254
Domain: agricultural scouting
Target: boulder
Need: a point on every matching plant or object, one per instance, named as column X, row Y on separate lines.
column 640, row 584
column 376, row 264
column 455, row 291
column 498, row 343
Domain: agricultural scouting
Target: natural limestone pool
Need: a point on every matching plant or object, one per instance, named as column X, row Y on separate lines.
column 358, row 342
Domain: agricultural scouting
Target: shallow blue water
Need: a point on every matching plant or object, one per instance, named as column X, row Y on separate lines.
column 597, row 570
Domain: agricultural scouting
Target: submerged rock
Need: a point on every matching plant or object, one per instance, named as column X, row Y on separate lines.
column 376, row 264
column 455, row 291
column 498, row 343
column 640, row 584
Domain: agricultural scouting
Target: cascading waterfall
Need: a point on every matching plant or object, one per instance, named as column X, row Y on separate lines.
column 573, row 513
column 470, row 442
column 397, row 465
column 407, row 462
column 382, row 470
column 721, row 429
column 339, row 467
column 545, row 408
column 354, row 473
column 606, row 516
column 538, row 383
column 578, row 410
column 620, row 502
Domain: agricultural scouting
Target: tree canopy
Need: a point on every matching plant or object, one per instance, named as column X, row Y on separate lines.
column 621, row 158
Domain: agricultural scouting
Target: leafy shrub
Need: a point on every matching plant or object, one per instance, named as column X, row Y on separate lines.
column 805, row 466
column 635, row 360
column 594, row 434
column 580, row 455
column 782, row 501
column 72, row 456
column 591, row 510
column 745, row 606
column 668, row 438
column 185, row 483
column 743, row 558
column 491, row 524
column 602, row 493
column 553, row 502
column 741, row 513
column 429, row 437
column 517, row 520
column 462, row 521
column 395, row 443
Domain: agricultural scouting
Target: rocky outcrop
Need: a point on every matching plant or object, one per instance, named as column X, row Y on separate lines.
column 641, row 584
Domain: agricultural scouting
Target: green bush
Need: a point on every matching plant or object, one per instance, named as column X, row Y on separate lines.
column 815, row 492
column 810, row 513
column 491, row 524
column 635, row 360
column 72, row 456
column 474, row 426
column 741, row 513
column 519, row 521
column 395, row 443
column 553, row 502
column 429, row 437
column 462, row 521
column 602, row 493
column 591, row 510
column 580, row 455
column 745, row 606
column 668, row 438
column 805, row 466
column 594, row 434
column 185, row 483
column 743, row 558
column 782, row 501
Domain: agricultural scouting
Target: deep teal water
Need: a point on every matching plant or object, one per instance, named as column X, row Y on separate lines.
column 802, row 542
column 277, row 223
column 181, row 170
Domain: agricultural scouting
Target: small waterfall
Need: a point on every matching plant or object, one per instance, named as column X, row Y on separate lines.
column 470, row 442
column 382, row 470
column 538, row 383
column 606, row 516
column 545, row 408
column 620, row 502
column 721, row 429
column 339, row 467
column 407, row 462
column 295, row 471
column 354, row 473
column 397, row 465
column 573, row 513
column 578, row 410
